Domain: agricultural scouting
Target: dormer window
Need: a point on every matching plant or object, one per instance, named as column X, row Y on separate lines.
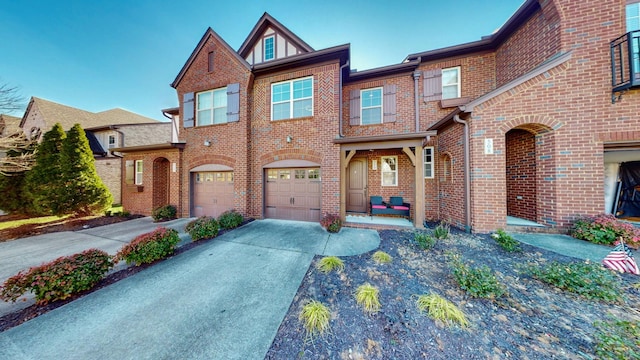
column 269, row 48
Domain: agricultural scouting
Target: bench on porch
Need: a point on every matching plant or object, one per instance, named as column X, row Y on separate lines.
column 395, row 206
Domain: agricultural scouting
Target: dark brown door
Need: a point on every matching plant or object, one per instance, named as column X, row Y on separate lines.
column 293, row 194
column 357, row 185
column 212, row 193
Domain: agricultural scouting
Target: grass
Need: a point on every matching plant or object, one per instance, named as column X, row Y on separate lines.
column 381, row 257
column 315, row 318
column 41, row 220
column 367, row 296
column 329, row 263
column 441, row 309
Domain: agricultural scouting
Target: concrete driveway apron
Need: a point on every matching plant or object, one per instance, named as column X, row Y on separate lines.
column 222, row 300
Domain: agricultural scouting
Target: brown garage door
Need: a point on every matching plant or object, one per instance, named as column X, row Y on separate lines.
column 293, row 194
column 212, row 193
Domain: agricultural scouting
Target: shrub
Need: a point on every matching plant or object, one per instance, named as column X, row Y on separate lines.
column 506, row 241
column 424, row 240
column 477, row 282
column 60, row 278
column 606, row 229
column 367, row 296
column 204, row 227
column 617, row 339
column 332, row 223
column 230, row 219
column 441, row 231
column 583, row 278
column 149, row 247
column 164, row 213
column 441, row 309
column 330, row 263
column 315, row 318
column 381, row 257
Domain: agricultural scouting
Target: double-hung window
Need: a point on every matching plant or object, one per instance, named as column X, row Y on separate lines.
column 139, row 172
column 371, row 106
column 451, row 83
column 112, row 141
column 633, row 24
column 428, row 162
column 212, row 107
column 292, row 99
column 269, row 48
column 389, row 171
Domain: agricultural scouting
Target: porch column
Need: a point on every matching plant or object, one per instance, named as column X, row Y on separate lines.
column 419, row 202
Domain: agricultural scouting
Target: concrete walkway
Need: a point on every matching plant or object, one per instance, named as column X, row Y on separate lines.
column 224, row 299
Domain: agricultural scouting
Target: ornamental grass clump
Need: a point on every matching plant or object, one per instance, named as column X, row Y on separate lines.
column 330, row 263
column 606, row 229
column 424, row 240
column 149, row 247
column 367, row 296
column 478, row 282
column 506, row 241
column 587, row 279
column 441, row 309
column 441, row 231
column 204, row 227
column 60, row 278
column 381, row 257
column 315, row 318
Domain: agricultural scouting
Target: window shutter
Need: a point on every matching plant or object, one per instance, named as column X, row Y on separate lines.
column 389, row 103
column 188, row 109
column 354, row 107
column 433, row 85
column 233, row 102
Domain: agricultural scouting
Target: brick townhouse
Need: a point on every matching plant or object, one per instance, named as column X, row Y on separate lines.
column 520, row 124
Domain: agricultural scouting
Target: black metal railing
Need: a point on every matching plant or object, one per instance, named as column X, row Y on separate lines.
column 625, row 61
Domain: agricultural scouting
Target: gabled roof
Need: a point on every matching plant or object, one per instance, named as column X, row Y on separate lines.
column 194, row 53
column 261, row 26
column 68, row 116
column 487, row 43
column 9, row 124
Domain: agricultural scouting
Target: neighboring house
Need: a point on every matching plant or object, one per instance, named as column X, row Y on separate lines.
column 521, row 123
column 9, row 125
column 105, row 131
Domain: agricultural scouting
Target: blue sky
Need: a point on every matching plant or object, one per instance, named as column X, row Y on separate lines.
column 97, row 55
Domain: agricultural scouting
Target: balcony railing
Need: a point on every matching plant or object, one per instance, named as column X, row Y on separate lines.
column 625, row 61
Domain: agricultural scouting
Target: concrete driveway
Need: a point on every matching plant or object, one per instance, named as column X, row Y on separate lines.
column 221, row 300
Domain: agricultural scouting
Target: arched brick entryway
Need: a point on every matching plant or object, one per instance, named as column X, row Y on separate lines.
column 161, row 182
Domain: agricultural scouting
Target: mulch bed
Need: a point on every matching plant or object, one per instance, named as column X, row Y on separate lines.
column 533, row 321
column 57, row 226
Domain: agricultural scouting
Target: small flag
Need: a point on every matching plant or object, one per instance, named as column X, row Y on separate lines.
column 621, row 259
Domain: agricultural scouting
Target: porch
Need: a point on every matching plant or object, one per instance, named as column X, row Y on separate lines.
column 360, row 220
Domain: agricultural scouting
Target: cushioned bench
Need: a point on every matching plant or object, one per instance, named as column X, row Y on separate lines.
column 396, row 206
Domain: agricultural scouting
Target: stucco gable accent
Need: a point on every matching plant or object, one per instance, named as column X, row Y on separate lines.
column 261, row 26
column 194, row 54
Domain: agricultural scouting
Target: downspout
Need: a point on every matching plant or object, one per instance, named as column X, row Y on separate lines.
column 340, row 134
column 416, row 98
column 467, row 171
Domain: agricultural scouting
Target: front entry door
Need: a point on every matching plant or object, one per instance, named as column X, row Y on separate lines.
column 357, row 185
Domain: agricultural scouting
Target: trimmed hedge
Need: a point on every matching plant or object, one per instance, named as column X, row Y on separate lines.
column 149, row 247
column 204, row 227
column 164, row 213
column 230, row 219
column 60, row 278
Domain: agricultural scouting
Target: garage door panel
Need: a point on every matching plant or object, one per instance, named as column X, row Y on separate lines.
column 293, row 194
column 213, row 193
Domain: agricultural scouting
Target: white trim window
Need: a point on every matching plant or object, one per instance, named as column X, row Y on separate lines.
column 389, row 170
column 292, row 99
column 139, row 172
column 451, row 83
column 111, row 142
column 428, row 162
column 371, row 106
column 212, row 107
column 269, row 48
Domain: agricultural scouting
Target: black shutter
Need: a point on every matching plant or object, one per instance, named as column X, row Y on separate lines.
column 188, row 113
column 233, row 102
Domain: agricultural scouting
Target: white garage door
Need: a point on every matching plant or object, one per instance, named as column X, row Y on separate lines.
column 293, row 194
column 212, row 193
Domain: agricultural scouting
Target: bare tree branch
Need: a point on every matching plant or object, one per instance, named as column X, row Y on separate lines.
column 10, row 99
column 17, row 154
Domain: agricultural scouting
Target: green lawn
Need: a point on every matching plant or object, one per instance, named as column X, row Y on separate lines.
column 44, row 219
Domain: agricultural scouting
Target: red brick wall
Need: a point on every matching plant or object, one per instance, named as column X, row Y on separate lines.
column 521, row 174
column 142, row 202
column 451, row 193
column 312, row 136
column 229, row 142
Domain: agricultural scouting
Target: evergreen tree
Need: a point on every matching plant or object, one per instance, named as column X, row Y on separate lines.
column 83, row 192
column 13, row 199
column 43, row 182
